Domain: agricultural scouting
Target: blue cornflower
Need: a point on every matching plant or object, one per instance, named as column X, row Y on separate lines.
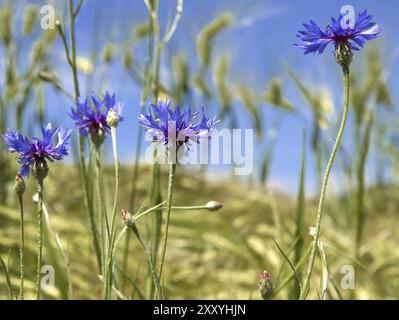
column 92, row 121
column 169, row 126
column 34, row 153
column 339, row 33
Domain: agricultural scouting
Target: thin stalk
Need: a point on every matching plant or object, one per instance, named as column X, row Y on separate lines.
column 175, row 208
column 172, row 171
column 73, row 46
column 21, row 247
column 155, row 189
column 101, row 214
column 157, row 288
column 110, row 257
column 71, row 58
column 312, row 257
column 360, row 211
column 39, row 235
column 135, row 177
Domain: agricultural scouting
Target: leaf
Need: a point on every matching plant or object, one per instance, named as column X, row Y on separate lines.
column 7, row 275
column 324, row 271
column 290, row 264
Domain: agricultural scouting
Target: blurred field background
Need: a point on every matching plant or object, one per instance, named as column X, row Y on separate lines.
column 236, row 59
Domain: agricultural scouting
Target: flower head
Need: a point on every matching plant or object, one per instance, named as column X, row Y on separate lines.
column 35, row 152
column 176, row 127
column 344, row 36
column 92, row 121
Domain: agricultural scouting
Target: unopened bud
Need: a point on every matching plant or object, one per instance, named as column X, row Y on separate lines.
column 128, row 218
column 266, row 286
column 213, row 205
column 19, row 184
column 112, row 118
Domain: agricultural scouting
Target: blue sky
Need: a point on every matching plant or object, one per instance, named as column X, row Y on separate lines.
column 259, row 43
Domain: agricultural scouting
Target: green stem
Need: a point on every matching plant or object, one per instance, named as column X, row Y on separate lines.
column 155, row 190
column 88, row 203
column 39, row 235
column 73, row 47
column 21, row 247
column 312, row 257
column 71, row 57
column 102, row 217
column 159, row 206
column 360, row 210
column 172, row 171
column 135, row 176
column 111, row 247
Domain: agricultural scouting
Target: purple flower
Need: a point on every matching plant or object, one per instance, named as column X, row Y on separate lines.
column 93, row 120
column 169, row 126
column 339, row 33
column 34, row 153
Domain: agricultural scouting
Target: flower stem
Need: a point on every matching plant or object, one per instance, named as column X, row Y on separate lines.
column 21, row 247
column 155, row 190
column 39, row 235
column 102, row 217
column 172, row 171
column 305, row 287
column 111, row 250
column 71, row 57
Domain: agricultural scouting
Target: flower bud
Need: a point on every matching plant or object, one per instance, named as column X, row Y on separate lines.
column 213, row 205
column 128, row 218
column 19, row 184
column 266, row 286
column 112, row 118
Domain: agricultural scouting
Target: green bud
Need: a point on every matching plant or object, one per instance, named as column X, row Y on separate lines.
column 112, row 118
column 213, row 205
column 19, row 185
column 266, row 286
